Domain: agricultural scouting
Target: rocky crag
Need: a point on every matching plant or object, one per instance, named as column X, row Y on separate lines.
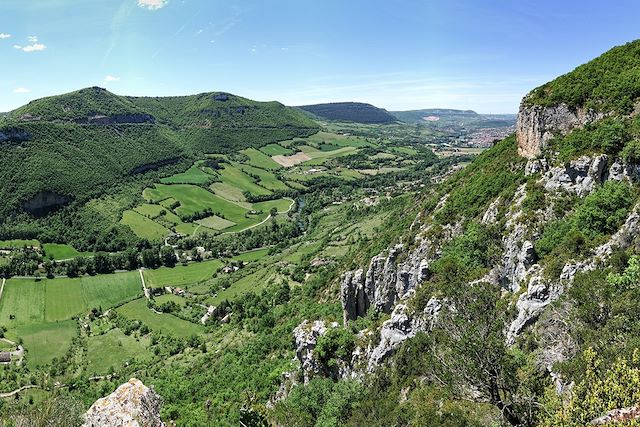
column 131, row 405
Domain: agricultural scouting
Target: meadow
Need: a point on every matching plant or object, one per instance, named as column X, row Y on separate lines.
column 181, row 275
column 165, row 323
column 144, row 227
column 59, row 251
column 113, row 348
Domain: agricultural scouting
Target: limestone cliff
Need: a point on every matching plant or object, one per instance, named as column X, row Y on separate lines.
column 536, row 125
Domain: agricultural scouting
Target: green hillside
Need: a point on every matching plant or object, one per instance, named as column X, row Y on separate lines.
column 610, row 82
column 357, row 112
column 63, row 151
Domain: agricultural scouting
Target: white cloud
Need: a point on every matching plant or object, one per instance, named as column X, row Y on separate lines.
column 153, row 4
column 33, row 46
column 4, row 36
column 21, row 90
column 109, row 79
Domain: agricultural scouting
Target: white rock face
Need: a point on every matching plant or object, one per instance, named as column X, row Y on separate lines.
column 537, row 125
column 579, row 177
column 131, row 405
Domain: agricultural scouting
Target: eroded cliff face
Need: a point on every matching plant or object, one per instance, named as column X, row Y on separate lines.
column 132, row 405
column 537, row 124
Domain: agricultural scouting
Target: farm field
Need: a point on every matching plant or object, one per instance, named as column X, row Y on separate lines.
column 165, row 323
column 144, row 227
column 181, row 275
column 260, row 160
column 267, row 178
column 58, row 251
column 193, row 175
column 215, row 223
column 254, row 255
column 275, row 149
column 45, row 341
column 19, row 243
column 235, row 177
column 50, row 300
column 112, row 349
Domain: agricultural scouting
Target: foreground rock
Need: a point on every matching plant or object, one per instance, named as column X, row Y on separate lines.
column 132, row 405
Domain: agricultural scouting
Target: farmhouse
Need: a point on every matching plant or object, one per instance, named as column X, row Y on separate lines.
column 5, row 357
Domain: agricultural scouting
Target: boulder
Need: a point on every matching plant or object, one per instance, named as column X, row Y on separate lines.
column 131, row 405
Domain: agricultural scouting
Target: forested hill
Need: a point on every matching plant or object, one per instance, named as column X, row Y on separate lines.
column 417, row 116
column 70, row 148
column 350, row 112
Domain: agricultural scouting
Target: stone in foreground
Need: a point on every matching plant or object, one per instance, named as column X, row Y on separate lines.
column 132, row 405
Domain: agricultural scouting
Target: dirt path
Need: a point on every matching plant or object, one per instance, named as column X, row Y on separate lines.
column 144, row 286
column 2, row 288
column 18, row 390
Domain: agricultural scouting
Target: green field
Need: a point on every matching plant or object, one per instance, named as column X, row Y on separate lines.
column 144, row 227
column 276, row 150
column 319, row 157
column 18, row 243
column 267, row 179
column 165, row 323
column 112, row 349
column 181, row 275
column 215, row 223
column 59, row 251
column 50, row 300
column 24, row 299
column 282, row 205
column 194, row 175
column 45, row 341
column 196, row 199
column 252, row 255
column 234, row 177
column 259, row 159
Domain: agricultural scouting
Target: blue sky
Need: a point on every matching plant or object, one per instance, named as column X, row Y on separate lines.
column 409, row 54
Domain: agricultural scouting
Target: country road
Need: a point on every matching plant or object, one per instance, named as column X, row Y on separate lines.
column 18, row 390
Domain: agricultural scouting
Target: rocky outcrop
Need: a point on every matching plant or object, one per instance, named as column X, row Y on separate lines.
column 389, row 279
column 45, row 202
column 14, row 135
column 131, row 405
column 580, row 176
column 395, row 331
column 306, row 337
column 541, row 292
column 617, row 416
column 537, row 125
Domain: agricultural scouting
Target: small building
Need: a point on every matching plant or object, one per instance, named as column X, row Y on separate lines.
column 5, row 357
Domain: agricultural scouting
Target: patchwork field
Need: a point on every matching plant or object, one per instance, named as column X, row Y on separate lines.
column 40, row 312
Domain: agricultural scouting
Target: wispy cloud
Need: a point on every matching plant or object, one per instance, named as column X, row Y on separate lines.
column 110, row 78
column 21, row 90
column 152, row 4
column 4, row 36
column 33, row 46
